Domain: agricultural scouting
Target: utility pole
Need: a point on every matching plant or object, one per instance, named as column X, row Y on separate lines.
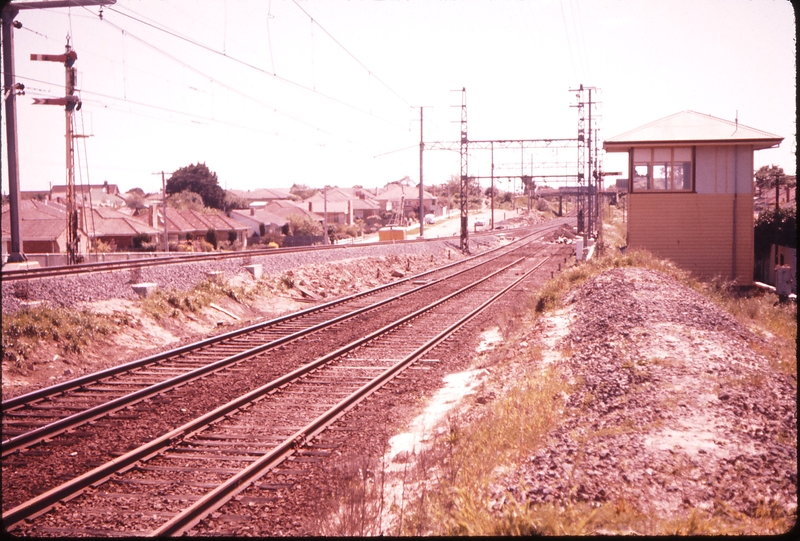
column 421, row 199
column 325, row 240
column 589, row 168
column 164, row 206
column 492, row 220
column 10, row 87
column 581, row 175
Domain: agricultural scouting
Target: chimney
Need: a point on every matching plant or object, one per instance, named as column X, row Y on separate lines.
column 151, row 216
column 309, row 207
column 105, row 186
column 252, row 211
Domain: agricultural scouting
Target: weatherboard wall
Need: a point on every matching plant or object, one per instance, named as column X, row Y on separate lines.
column 696, row 232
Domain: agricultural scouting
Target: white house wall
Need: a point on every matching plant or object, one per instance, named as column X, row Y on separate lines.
column 716, row 166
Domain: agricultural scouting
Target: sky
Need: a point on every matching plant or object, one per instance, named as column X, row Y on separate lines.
column 270, row 93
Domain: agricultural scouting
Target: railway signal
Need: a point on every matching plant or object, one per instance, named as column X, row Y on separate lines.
column 71, row 103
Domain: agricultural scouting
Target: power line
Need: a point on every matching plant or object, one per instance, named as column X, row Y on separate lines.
column 369, row 71
column 251, row 66
column 229, row 87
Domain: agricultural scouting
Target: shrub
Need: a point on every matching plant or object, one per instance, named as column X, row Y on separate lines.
column 211, row 238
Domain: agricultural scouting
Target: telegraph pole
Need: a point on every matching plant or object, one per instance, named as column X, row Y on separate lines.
column 325, row 240
column 421, row 197
column 492, row 220
column 166, row 227
column 10, row 87
column 16, row 255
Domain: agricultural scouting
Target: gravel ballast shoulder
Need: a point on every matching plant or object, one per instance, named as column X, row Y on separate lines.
column 68, row 291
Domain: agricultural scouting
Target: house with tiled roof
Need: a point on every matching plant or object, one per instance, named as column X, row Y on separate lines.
column 43, row 228
column 116, row 228
column 690, row 195
column 187, row 225
column 396, row 195
column 272, row 215
column 263, row 194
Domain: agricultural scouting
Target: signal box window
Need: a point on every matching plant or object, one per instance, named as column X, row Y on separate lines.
column 662, row 169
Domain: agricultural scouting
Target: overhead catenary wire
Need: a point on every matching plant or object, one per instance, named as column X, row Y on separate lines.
column 569, row 43
column 369, row 71
column 233, row 89
column 251, row 66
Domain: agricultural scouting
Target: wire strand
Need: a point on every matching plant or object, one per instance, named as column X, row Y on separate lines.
column 369, row 71
column 251, row 66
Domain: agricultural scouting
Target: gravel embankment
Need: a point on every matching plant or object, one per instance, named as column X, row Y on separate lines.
column 672, row 410
column 71, row 290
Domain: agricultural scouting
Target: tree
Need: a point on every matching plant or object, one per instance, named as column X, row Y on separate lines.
column 299, row 225
column 775, row 226
column 186, row 200
column 135, row 200
column 772, row 177
column 199, row 179
column 302, row 191
column 233, row 201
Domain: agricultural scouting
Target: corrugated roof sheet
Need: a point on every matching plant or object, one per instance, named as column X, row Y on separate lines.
column 692, row 127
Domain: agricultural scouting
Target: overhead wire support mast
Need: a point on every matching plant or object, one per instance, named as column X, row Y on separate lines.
column 10, row 88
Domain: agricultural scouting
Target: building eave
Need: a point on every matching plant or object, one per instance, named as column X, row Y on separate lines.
column 757, row 144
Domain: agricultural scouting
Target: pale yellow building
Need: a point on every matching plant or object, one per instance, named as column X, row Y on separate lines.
column 690, row 192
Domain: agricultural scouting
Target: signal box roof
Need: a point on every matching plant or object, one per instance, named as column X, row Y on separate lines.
column 689, row 127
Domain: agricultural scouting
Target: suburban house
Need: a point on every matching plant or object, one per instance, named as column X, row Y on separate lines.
column 96, row 195
column 183, row 225
column 690, row 197
column 339, row 210
column 116, row 228
column 43, row 228
column 263, row 194
column 397, row 198
column 272, row 215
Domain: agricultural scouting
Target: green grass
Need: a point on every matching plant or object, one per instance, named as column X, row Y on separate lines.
column 28, row 328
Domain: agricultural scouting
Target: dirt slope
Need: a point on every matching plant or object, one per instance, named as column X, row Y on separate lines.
column 672, row 408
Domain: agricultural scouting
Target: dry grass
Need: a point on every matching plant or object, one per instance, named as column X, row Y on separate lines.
column 464, row 461
column 460, row 472
column 171, row 302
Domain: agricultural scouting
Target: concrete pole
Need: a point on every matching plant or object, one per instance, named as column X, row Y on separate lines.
column 16, row 254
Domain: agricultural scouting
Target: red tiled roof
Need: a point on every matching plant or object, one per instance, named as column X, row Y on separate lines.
column 192, row 221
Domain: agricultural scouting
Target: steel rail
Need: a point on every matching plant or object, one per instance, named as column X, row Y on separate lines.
column 79, row 418
column 45, row 501
column 215, row 499
column 195, row 257
column 39, row 394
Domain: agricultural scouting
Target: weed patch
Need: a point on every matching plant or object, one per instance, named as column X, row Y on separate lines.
column 172, row 302
column 28, row 328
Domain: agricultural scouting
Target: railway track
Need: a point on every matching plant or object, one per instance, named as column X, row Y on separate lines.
column 175, row 259
column 45, row 413
column 168, row 484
